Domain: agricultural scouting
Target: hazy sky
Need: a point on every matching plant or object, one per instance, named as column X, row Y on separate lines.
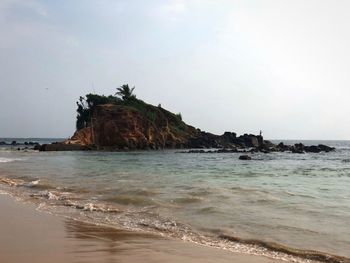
column 279, row 66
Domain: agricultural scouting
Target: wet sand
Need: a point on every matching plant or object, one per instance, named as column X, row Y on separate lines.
column 28, row 235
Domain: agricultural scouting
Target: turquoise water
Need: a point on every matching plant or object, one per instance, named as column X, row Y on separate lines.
column 297, row 200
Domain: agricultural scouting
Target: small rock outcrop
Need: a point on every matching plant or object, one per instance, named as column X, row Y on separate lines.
column 301, row 148
column 245, row 157
column 63, row 147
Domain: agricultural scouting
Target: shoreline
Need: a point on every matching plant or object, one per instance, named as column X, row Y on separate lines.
column 231, row 246
column 29, row 235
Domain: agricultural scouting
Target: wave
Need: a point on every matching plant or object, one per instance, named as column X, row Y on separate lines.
column 11, row 182
column 201, row 192
column 9, row 160
column 33, row 183
column 91, row 207
column 37, row 184
column 130, row 200
column 29, row 183
column 254, row 190
column 147, row 220
column 208, row 210
column 241, row 245
column 50, row 195
column 275, row 247
column 187, row 200
column 298, row 194
column 140, row 192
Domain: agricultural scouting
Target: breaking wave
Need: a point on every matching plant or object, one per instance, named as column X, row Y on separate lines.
column 8, row 160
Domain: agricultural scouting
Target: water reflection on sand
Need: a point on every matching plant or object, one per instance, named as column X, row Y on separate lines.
column 91, row 243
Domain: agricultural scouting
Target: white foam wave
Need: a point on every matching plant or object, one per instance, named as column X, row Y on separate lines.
column 8, row 160
column 49, row 195
column 32, row 183
column 91, row 207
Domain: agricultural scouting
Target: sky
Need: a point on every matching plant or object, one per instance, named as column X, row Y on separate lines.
column 279, row 66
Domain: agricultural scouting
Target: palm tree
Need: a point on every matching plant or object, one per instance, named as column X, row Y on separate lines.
column 125, row 92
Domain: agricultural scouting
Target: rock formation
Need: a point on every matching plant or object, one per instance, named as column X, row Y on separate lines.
column 136, row 125
column 119, row 127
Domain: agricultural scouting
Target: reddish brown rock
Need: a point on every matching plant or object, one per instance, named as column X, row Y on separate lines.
column 117, row 127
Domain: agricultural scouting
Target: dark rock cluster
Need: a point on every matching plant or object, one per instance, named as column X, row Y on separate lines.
column 227, row 140
column 250, row 143
column 301, row 148
column 14, row 143
column 245, row 157
column 63, row 147
column 28, row 145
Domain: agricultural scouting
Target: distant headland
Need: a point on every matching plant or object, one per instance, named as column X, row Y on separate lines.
column 124, row 122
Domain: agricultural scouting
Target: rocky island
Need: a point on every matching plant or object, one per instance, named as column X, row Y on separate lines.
column 124, row 122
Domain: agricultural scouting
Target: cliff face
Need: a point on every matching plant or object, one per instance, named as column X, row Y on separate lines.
column 82, row 137
column 122, row 127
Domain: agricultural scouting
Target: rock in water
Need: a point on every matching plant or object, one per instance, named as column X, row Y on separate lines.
column 325, row 148
column 312, row 149
column 245, row 157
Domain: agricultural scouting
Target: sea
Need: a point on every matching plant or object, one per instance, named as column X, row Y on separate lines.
column 294, row 207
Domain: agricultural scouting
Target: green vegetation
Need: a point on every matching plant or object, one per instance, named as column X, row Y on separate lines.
column 125, row 97
column 125, row 92
column 85, row 106
column 179, row 115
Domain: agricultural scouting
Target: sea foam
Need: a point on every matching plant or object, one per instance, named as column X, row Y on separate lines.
column 8, row 160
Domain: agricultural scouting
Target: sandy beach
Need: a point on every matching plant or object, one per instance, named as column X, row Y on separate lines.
column 28, row 235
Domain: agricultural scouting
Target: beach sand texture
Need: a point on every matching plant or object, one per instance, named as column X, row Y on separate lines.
column 28, row 235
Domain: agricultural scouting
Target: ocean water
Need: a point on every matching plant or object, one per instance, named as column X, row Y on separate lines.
column 275, row 203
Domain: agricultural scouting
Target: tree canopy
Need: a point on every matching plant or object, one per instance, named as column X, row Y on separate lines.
column 125, row 92
column 86, row 105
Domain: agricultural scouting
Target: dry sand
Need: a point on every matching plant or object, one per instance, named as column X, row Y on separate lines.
column 28, row 235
